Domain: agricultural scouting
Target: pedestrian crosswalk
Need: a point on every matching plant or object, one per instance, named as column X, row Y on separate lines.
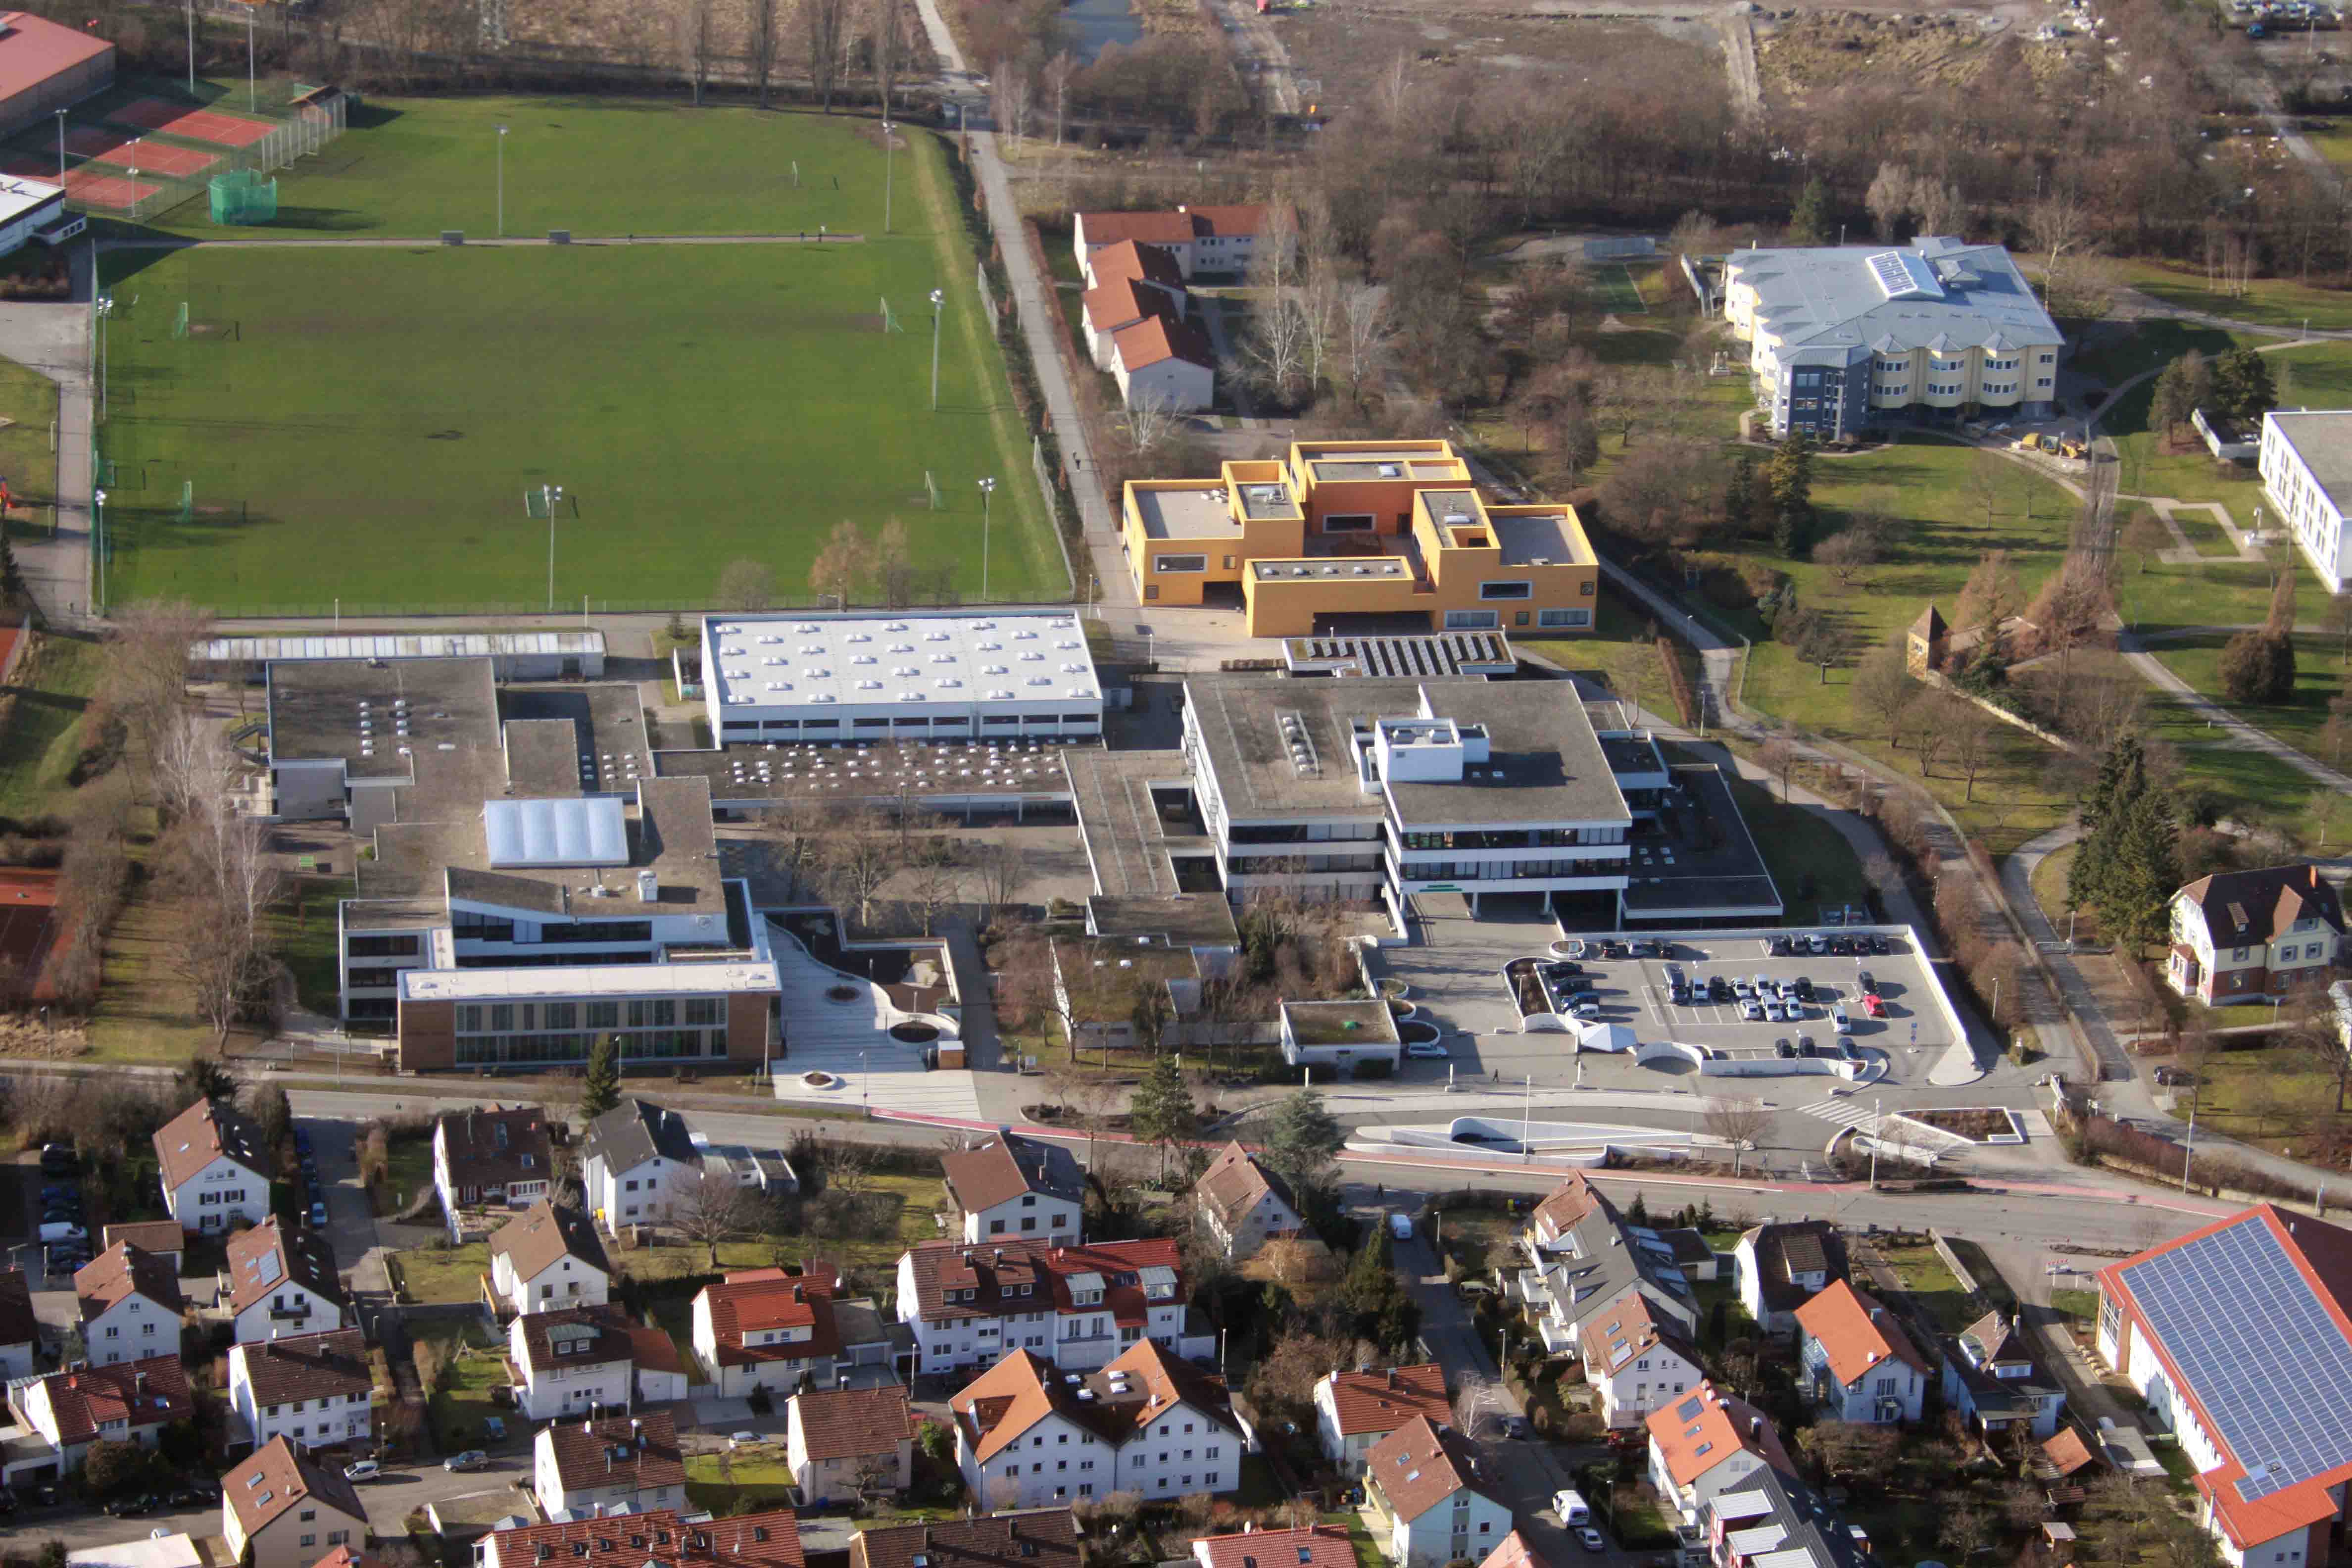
column 1845, row 1111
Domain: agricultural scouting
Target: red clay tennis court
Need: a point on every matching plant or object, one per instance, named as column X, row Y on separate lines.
column 84, row 184
column 132, row 153
column 196, row 124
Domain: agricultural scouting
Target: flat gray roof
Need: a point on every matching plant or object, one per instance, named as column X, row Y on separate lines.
column 2323, row 439
column 1936, row 293
column 1267, row 498
column 1201, row 513
column 1188, row 919
column 397, row 645
column 845, row 772
column 1717, row 869
column 1543, row 537
column 912, row 662
column 1545, row 763
column 316, row 709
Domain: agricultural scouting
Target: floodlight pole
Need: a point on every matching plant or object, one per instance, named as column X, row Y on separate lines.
column 104, row 306
column 549, row 495
column 888, row 166
column 61, row 146
column 192, row 48
column 987, row 494
column 253, row 101
column 502, row 181
column 97, row 538
column 939, row 297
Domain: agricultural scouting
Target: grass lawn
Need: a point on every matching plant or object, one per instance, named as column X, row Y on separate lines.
column 28, row 401
column 697, row 405
column 2083, row 1306
column 416, row 166
column 301, row 932
column 2252, row 787
column 750, row 1479
column 445, row 1273
column 2268, row 302
column 145, row 1011
column 2273, row 1098
column 2319, row 676
column 1932, row 1285
column 411, row 1172
column 1616, row 652
column 1811, row 863
column 38, row 744
column 2205, row 534
column 1360, row 1536
column 463, row 1402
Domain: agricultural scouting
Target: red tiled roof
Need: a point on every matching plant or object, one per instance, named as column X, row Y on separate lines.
column 1384, row 1401
column 1228, row 222
column 1568, row 1202
column 1419, row 1466
column 1701, row 1430
column 1306, row 1546
column 544, row 1235
column 2066, row 1449
column 760, row 1299
column 121, row 1272
column 769, row 1540
column 1155, row 338
column 651, row 1350
column 1635, row 1330
column 33, row 51
column 205, row 1131
column 1235, row 1183
column 155, row 1234
column 1045, row 1539
column 1121, row 301
column 1512, row 1552
column 148, row 1393
column 598, row 1334
column 1114, row 1403
column 1151, row 228
column 634, row 1453
column 1009, row 1165
column 1856, row 1333
column 266, row 1256
column 849, row 1423
column 263, row 1486
column 994, row 1272
column 480, row 1156
column 306, row 1366
column 1151, row 263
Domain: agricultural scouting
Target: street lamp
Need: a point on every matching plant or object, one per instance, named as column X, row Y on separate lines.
column 192, row 48
column 549, row 495
column 888, row 164
column 987, row 494
column 104, row 306
column 252, row 97
column 98, row 537
column 939, row 297
column 502, row 181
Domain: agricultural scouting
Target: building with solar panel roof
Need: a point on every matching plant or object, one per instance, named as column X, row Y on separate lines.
column 1850, row 337
column 2240, row 1338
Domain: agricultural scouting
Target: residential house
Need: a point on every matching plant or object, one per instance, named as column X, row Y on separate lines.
column 1782, row 1266
column 1588, row 1261
column 1433, row 1502
column 131, row 1306
column 1076, row 1306
column 638, row 1162
column 1707, row 1443
column 162, row 1239
column 766, row 1169
column 131, row 1402
column 1993, row 1378
column 215, row 1171
column 1692, row 1254
column 1047, row 1539
column 2239, row 1336
column 280, row 1282
column 577, row 1360
column 766, row 1328
column 490, row 1159
column 1302, row 1546
column 314, row 1390
column 1012, row 1187
column 1513, row 1551
column 1027, row 1437
column 841, row 1442
column 548, row 1257
column 1214, row 239
column 1125, row 284
column 1244, row 1205
column 2308, row 484
column 1857, row 1362
column 280, row 1510
column 666, row 1538
column 1164, row 362
column 594, row 1468
column 1639, row 1361
column 1354, row 1410
column 2065, row 1456
column 20, row 1330
column 1768, row 1518
column 2251, row 936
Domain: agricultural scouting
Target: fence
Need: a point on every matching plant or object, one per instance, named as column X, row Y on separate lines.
column 986, row 297
column 116, row 182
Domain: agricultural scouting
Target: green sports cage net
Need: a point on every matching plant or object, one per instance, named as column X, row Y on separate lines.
column 243, row 197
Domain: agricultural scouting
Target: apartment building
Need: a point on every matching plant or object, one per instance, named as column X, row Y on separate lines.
column 131, row 1306
column 2305, row 462
column 1243, row 1204
column 1431, row 1498
column 1373, row 789
column 638, row 1162
column 1706, row 1442
column 314, row 1390
column 214, row 1169
column 1077, row 1307
column 1029, row 1436
column 667, row 1536
column 1858, row 1363
column 841, row 1442
column 548, row 1259
column 2250, row 936
column 131, row 1402
column 576, row 1360
column 491, row 1161
column 621, row 1464
column 1009, row 1185
column 1847, row 338
column 1221, row 240
column 1355, row 1411
column 281, row 1282
column 1342, row 529
column 278, row 1510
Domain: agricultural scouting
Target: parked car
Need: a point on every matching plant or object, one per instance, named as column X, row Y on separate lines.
column 471, row 1459
column 1426, row 1051
column 1839, row 1021
column 62, row 1230
column 2169, row 1076
column 1585, row 1007
column 1591, row 1539
column 1803, row 988
column 494, row 1427
column 1718, row 989
column 1515, row 1427
column 1751, row 1011
column 1804, row 1045
column 58, row 1160
column 317, row 1215
column 1742, row 986
column 1783, row 1048
column 365, row 1471
column 1869, row 986
column 1871, row 1007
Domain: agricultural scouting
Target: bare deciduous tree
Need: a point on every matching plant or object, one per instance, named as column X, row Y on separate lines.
column 697, row 42
column 822, row 25
column 845, row 562
column 746, row 584
column 894, row 559
column 760, row 44
column 711, row 1209
column 1738, row 1122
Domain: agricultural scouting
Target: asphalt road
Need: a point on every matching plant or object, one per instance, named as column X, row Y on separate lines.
column 389, row 1499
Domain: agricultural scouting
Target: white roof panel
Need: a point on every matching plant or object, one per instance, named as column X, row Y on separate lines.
column 588, row 830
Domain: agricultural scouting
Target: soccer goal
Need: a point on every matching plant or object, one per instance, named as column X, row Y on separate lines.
column 535, row 503
column 932, row 486
column 179, row 322
column 187, row 500
column 889, row 318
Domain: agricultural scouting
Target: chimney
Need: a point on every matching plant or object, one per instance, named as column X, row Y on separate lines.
column 1249, row 1527
column 137, row 1380
column 1756, row 1428
column 1393, row 1382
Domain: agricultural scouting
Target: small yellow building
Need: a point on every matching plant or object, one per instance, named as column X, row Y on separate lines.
column 1342, row 529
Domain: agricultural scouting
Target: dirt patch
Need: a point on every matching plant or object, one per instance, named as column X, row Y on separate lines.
column 1827, row 49
column 1349, row 57
column 23, row 1038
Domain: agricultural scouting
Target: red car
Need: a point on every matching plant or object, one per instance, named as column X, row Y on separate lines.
column 1871, row 1006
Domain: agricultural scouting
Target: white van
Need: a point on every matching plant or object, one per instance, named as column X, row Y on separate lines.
column 1401, row 1226
column 1569, row 1503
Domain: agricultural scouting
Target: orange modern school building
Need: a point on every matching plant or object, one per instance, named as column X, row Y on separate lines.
column 1337, row 529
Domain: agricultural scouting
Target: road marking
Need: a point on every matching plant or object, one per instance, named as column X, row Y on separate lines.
column 1844, row 1112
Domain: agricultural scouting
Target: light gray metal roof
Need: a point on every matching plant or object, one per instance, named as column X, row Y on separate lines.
column 1941, row 294
column 395, row 645
column 580, row 830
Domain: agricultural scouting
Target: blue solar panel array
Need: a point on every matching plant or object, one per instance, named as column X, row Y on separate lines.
column 2258, row 1348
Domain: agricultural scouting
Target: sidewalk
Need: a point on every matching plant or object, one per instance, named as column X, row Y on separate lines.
column 54, row 338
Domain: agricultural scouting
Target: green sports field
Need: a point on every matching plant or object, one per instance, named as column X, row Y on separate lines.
column 362, row 422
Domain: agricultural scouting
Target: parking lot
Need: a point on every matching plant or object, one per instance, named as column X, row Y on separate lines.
column 1636, row 992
